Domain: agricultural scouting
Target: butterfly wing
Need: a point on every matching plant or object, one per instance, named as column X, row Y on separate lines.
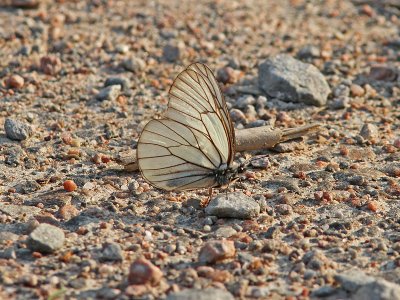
column 182, row 150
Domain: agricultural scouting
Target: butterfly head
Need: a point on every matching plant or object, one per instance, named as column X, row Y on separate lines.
column 225, row 174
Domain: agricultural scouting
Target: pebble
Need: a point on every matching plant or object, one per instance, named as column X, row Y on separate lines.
column 225, row 231
column 109, row 93
column 123, row 82
column 215, row 251
column 16, row 130
column 356, row 90
column 291, row 80
column 46, row 239
column 201, row 294
column 134, row 64
column 171, row 53
column 143, row 271
column 15, row 81
column 111, row 252
column 369, row 131
column 243, row 101
column 382, row 73
column 237, row 115
column 50, row 65
column 226, row 75
column 309, row 51
column 233, row 205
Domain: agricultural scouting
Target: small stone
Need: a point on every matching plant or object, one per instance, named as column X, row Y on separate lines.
column 291, row 80
column 123, row 82
column 134, row 64
column 225, row 231
column 68, row 212
column 226, row 75
column 237, row 115
column 356, row 90
column 260, row 162
column 382, row 73
column 369, row 131
column 70, row 185
column 122, row 49
column 340, row 103
column 233, row 205
column 244, row 101
column 309, row 51
column 143, row 271
column 50, row 65
column 109, row 93
column 171, row 53
column 15, row 81
column 16, row 130
column 111, row 252
column 46, row 239
column 284, row 209
column 203, row 294
column 215, row 251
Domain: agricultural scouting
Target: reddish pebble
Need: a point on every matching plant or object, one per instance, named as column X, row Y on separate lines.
column 366, row 9
column 105, row 159
column 15, row 82
column 396, row 143
column 143, row 271
column 70, row 186
column 217, row 250
column 372, row 206
column 68, row 211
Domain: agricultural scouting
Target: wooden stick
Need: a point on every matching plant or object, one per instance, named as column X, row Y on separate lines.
column 258, row 138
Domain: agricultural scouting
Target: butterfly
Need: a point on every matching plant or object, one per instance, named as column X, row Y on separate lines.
column 193, row 145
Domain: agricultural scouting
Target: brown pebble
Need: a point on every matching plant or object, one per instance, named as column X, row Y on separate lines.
column 15, row 81
column 372, row 206
column 215, row 251
column 50, row 65
column 68, row 211
column 70, row 186
column 143, row 271
column 356, row 90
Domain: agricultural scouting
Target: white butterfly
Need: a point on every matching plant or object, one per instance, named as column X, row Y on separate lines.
column 193, row 146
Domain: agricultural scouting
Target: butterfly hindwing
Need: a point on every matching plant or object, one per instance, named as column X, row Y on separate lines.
column 182, row 150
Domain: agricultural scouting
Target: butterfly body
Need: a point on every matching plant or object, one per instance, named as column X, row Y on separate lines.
column 193, row 145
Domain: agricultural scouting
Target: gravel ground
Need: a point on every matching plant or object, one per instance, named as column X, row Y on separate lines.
column 316, row 218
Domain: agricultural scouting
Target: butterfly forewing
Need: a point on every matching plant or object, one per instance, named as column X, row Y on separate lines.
column 196, row 136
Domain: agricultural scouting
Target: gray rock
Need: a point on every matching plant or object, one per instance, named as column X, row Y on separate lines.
column 233, row 205
column 111, row 252
column 369, row 131
column 288, row 79
column 323, row 291
column 378, row 290
column 17, row 211
column 289, row 183
column 109, row 93
column 171, row 53
column 243, row 101
column 362, row 286
column 134, row 64
column 46, row 238
column 205, row 294
column 27, row 187
column 16, row 130
column 352, row 280
column 123, row 82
